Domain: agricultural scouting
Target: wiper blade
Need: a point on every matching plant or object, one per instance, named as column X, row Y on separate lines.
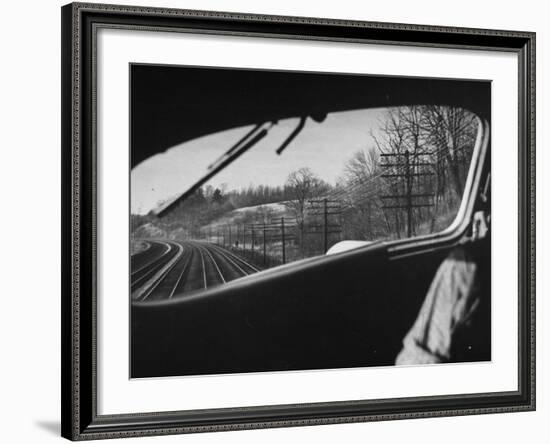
column 234, row 147
column 293, row 134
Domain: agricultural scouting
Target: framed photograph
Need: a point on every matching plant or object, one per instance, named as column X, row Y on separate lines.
column 280, row 221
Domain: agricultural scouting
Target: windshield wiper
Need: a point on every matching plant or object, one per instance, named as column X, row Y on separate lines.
column 240, row 147
column 243, row 145
column 234, row 147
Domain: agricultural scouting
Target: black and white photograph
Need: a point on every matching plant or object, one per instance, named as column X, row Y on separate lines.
column 291, row 220
column 277, row 221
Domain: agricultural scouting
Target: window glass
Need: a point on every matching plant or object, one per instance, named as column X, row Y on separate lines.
column 204, row 213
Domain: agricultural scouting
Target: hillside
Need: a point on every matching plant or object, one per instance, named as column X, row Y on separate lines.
column 256, row 213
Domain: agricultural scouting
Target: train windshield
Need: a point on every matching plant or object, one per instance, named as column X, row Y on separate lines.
column 231, row 204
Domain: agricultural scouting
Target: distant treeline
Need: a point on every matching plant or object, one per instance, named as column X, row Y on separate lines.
column 209, row 203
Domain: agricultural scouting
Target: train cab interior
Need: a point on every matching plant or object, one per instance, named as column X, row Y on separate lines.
column 350, row 308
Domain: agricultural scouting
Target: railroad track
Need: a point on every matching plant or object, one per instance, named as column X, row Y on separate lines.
column 178, row 268
column 142, row 274
column 242, row 265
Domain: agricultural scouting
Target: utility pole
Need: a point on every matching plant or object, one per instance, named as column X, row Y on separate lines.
column 325, row 224
column 404, row 172
column 229, row 228
column 283, row 238
column 330, row 213
column 264, row 242
column 409, row 193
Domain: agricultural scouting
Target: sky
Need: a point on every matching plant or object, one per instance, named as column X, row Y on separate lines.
column 323, row 147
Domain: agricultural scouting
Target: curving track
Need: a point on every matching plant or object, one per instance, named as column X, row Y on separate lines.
column 173, row 268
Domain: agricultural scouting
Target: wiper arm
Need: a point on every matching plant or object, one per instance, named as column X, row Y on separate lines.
column 293, row 134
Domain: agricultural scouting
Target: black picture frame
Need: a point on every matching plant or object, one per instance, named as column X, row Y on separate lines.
column 79, row 383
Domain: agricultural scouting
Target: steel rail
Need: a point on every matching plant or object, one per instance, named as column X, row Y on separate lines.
column 214, row 262
column 164, row 273
column 169, row 247
column 238, row 258
column 231, row 258
column 183, row 271
column 153, row 267
column 203, row 269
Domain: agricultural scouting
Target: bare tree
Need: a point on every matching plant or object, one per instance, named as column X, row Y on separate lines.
column 361, row 183
column 438, row 141
column 303, row 185
column 362, row 165
column 438, row 135
column 452, row 133
column 393, row 140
